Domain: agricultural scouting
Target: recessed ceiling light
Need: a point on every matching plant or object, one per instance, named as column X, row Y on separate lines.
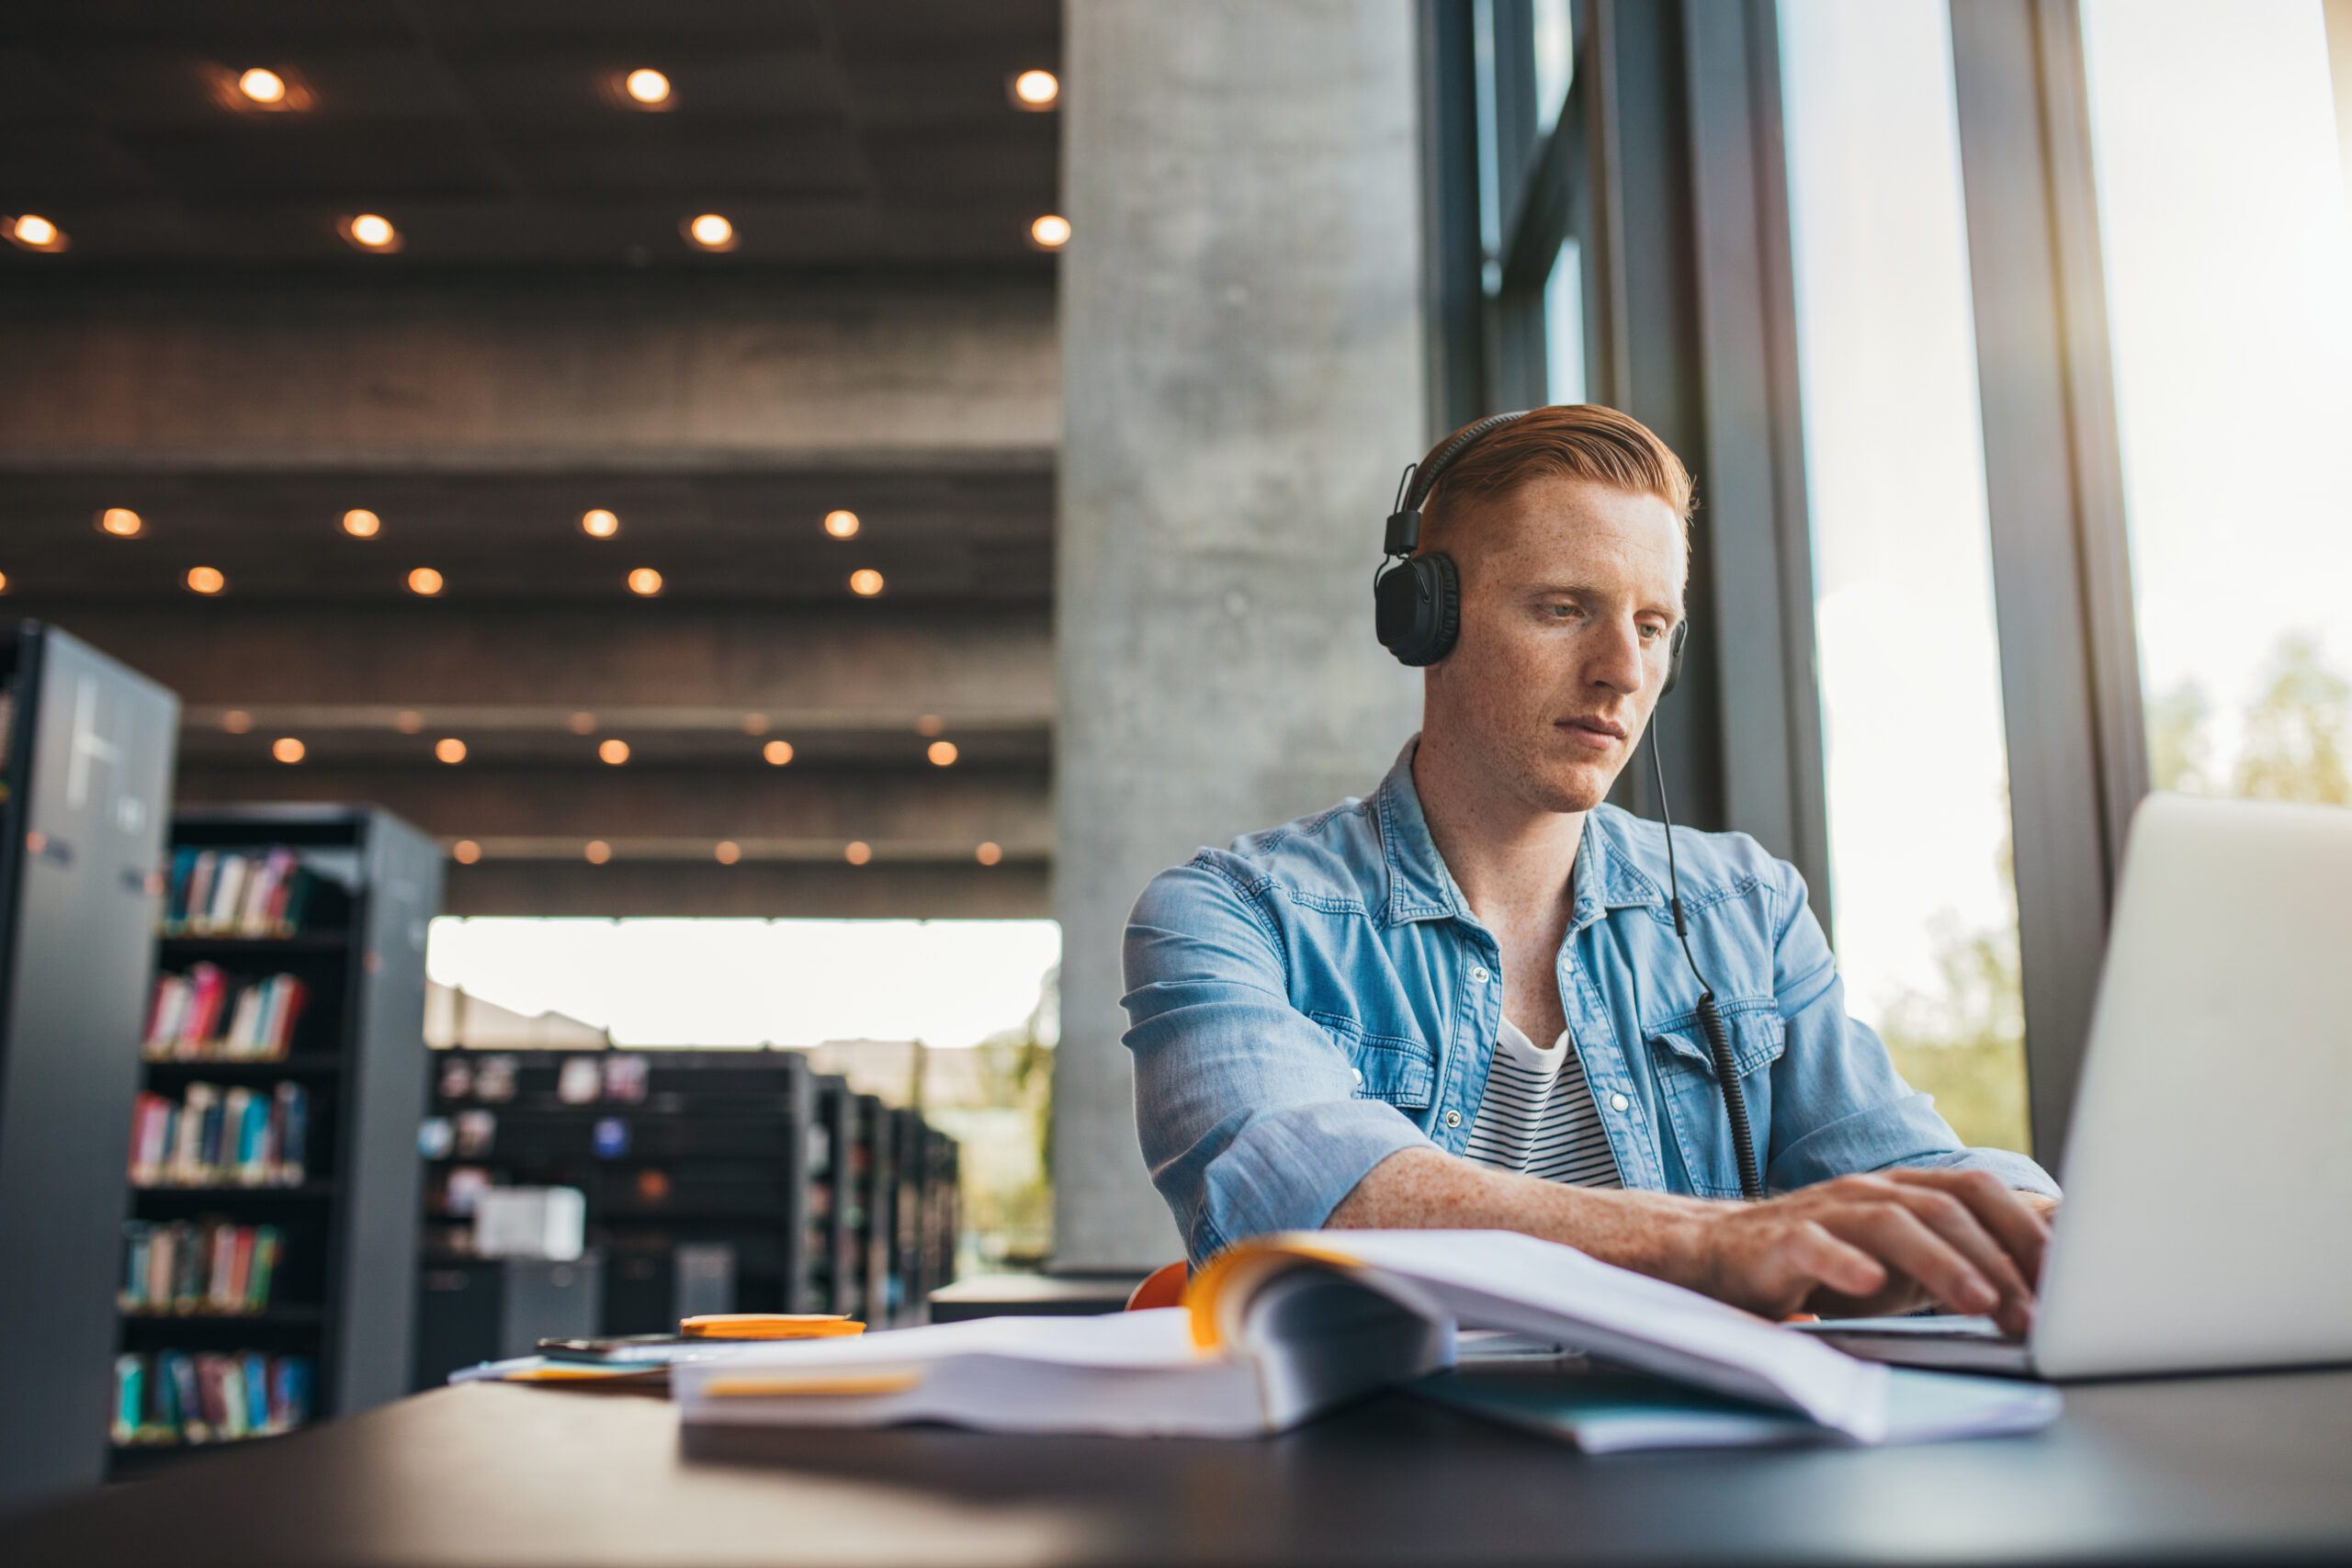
column 465, row 852
column 778, row 752
column 370, row 231
column 597, row 851
column 614, row 751
column 726, row 852
column 711, row 231
column 866, row 582
column 286, row 748
column 361, row 524
column 857, row 851
column 120, row 521
column 1050, row 232
column 1035, row 91
column 4, row 583
column 206, row 580
column 450, row 750
column 841, row 524
column 941, row 753
column 599, row 523
column 262, row 86
column 425, row 581
column 645, row 581
column 988, row 854
column 647, row 85
column 35, row 233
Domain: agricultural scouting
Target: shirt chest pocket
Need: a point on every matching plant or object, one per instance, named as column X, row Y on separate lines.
column 1388, row 1066
column 1694, row 1106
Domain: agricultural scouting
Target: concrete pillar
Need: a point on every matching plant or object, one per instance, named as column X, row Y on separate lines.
column 1243, row 382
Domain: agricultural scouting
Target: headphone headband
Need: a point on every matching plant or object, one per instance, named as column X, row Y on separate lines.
column 1404, row 535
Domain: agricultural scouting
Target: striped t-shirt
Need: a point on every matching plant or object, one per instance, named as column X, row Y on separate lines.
column 1538, row 1117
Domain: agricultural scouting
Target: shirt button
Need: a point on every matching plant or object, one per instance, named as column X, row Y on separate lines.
column 1478, row 974
column 1453, row 1119
column 1359, row 1073
column 1617, row 1102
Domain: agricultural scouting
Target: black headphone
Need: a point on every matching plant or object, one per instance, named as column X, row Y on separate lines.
column 1417, row 611
column 1417, row 599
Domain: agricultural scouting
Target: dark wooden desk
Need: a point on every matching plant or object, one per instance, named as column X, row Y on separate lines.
column 2237, row 1469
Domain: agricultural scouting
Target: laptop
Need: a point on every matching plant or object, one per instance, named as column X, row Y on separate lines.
column 2208, row 1163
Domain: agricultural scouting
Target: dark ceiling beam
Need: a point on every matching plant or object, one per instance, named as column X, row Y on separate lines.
column 878, row 657
column 617, row 890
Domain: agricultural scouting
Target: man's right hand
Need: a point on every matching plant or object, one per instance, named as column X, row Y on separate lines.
column 1891, row 1241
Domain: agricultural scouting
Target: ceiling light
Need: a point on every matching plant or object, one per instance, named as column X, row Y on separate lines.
column 237, row 721
column 841, row 524
column 206, row 580
column 465, row 852
column 988, row 854
column 778, row 752
column 451, row 750
column 119, row 521
column 361, row 524
column 599, row 523
column 426, row 580
column 647, row 85
column 1036, row 91
column 287, row 748
column 1050, row 232
column 598, row 850
column 645, row 581
column 408, row 721
column 261, row 87
column 941, row 753
column 857, row 851
column 613, row 752
column 728, row 852
column 370, row 231
column 931, row 724
column 4, row 583
column 583, row 724
column 866, row 582
column 36, row 233
column 755, row 724
column 711, row 231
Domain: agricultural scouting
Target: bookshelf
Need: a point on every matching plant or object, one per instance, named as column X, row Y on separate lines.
column 742, row 1161
column 271, row 1233
column 86, row 767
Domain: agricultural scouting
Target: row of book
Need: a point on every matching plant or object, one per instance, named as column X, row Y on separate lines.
column 204, row 1397
column 184, row 1021
column 243, row 1137
column 236, row 893
column 198, row 1265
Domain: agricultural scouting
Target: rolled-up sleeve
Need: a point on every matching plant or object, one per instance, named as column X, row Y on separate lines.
column 1839, row 1106
column 1246, row 1108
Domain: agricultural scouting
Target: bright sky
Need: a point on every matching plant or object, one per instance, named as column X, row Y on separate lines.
column 735, row 982
column 2229, row 256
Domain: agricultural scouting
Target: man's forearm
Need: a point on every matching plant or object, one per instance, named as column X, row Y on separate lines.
column 1424, row 1189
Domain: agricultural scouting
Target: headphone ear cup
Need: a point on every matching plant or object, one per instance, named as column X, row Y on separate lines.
column 1674, row 657
column 1417, row 608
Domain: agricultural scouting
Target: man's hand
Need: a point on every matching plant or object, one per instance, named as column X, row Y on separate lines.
column 1859, row 1246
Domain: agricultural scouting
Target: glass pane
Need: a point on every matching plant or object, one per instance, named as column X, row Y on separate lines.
column 2229, row 273
column 1554, row 60
column 1925, row 905
column 1563, row 327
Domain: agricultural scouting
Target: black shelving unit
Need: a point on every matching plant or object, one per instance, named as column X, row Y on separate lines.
column 794, row 1175
column 344, row 1287
column 85, row 768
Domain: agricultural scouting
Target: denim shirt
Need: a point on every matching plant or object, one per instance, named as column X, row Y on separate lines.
column 1319, row 996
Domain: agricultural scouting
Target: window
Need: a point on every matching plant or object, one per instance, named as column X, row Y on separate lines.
column 1563, row 327
column 2228, row 249
column 1926, row 909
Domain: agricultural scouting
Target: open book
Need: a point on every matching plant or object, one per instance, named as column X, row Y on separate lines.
column 1279, row 1329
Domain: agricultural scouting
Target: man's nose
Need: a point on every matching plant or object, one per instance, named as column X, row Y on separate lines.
column 1617, row 662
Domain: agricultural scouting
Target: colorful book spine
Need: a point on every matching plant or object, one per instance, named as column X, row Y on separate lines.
column 243, row 1137
column 178, row 1396
column 259, row 893
column 202, row 1015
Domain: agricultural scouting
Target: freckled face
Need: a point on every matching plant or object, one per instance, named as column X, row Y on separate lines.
column 1570, row 593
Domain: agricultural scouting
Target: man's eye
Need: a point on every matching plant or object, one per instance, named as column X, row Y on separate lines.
column 1561, row 611
column 1652, row 633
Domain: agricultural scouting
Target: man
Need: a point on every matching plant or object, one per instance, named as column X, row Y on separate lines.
column 1461, row 1003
